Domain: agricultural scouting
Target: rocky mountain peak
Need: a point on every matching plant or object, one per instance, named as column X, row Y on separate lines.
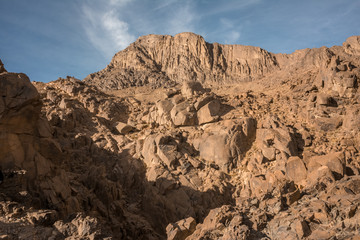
column 352, row 45
column 2, row 68
column 164, row 60
column 161, row 60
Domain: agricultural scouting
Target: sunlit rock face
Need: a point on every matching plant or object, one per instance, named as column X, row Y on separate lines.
column 178, row 138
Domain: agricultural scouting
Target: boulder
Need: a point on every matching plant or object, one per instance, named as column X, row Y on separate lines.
column 334, row 161
column 167, row 150
column 320, row 177
column 202, row 100
column 158, row 149
column 183, row 114
column 351, row 121
column 123, row 128
column 209, row 113
column 191, row 88
column 17, row 92
column 324, row 99
column 160, row 114
column 295, row 169
column 270, row 140
column 181, row 229
column 226, row 143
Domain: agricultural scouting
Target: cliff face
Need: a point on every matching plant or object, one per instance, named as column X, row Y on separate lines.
column 161, row 60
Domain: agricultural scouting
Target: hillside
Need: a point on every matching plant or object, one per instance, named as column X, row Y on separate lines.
column 179, row 139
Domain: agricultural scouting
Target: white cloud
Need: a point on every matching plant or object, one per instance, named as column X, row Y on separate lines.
column 119, row 2
column 183, row 18
column 232, row 37
column 105, row 30
column 229, row 30
column 231, row 5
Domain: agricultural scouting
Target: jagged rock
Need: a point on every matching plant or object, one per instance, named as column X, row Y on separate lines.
column 324, row 99
column 2, row 68
column 302, row 228
column 275, row 138
column 226, row 143
column 191, row 89
column 295, row 169
column 160, row 148
column 209, row 112
column 321, row 175
column 224, row 223
column 183, row 114
column 352, row 45
column 123, row 128
column 181, row 229
column 351, row 120
column 334, row 161
column 177, row 58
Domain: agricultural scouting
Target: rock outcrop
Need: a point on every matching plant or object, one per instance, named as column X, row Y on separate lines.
column 162, row 60
column 198, row 152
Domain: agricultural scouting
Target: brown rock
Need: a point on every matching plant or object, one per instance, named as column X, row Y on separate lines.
column 302, row 228
column 295, row 169
column 209, row 112
column 182, row 58
column 323, row 99
column 190, row 89
column 334, row 161
column 181, row 229
column 225, row 144
column 2, row 68
column 124, row 128
column 321, row 175
column 183, row 114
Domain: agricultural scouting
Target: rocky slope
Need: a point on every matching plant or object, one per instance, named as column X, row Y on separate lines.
column 158, row 60
column 274, row 158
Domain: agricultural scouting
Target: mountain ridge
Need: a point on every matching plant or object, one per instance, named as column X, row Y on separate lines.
column 162, row 60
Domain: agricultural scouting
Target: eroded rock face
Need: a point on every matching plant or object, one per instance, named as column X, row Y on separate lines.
column 159, row 60
column 276, row 158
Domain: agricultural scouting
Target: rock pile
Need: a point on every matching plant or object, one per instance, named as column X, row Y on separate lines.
column 277, row 158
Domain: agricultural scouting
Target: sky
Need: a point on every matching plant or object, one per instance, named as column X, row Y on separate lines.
column 48, row 39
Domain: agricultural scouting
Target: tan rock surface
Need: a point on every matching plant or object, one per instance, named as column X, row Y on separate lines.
column 196, row 151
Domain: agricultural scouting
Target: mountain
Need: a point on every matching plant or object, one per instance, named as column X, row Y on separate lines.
column 180, row 139
column 163, row 60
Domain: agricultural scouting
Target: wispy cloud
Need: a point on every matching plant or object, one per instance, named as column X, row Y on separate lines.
column 231, row 5
column 105, row 30
column 183, row 18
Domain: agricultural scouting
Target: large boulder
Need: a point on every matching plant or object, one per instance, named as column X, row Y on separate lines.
column 295, row 169
column 209, row 112
column 227, row 142
column 335, row 161
column 271, row 140
column 27, row 146
column 351, row 121
column 181, row 229
column 191, row 88
column 183, row 114
column 160, row 149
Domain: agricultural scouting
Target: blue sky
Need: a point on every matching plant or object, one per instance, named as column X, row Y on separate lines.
column 49, row 39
